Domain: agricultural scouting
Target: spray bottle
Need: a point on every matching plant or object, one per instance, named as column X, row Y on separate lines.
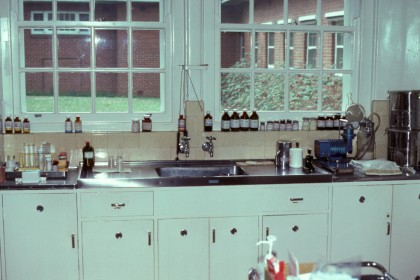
column 274, row 266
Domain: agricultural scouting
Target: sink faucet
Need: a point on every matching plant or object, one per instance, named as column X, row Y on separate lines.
column 209, row 146
column 183, row 144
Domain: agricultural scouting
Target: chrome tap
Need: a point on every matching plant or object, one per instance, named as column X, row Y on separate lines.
column 209, row 146
column 184, row 145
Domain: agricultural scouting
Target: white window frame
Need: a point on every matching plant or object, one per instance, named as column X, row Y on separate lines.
column 14, row 91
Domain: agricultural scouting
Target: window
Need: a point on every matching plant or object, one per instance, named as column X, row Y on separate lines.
column 314, row 75
column 114, row 64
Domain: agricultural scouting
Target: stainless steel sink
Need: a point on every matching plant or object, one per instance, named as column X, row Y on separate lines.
column 200, row 171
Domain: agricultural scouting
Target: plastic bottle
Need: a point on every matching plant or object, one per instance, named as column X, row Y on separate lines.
column 146, row 123
column 225, row 124
column 17, row 125
column 26, row 125
column 181, row 123
column 208, row 122
column 254, row 121
column 8, row 125
column 235, row 121
column 244, row 121
column 68, row 125
column 78, row 125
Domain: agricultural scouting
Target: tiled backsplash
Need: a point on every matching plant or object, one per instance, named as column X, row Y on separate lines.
column 162, row 145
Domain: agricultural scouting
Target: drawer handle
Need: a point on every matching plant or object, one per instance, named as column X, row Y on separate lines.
column 117, row 205
column 184, row 232
column 149, row 238
column 295, row 228
column 73, row 241
column 296, row 199
column 362, row 199
column 233, row 231
column 118, row 235
column 40, row 208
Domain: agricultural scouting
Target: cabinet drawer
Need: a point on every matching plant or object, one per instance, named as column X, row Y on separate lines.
column 116, row 204
column 311, row 198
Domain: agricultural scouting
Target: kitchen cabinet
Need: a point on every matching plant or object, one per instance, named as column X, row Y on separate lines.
column 405, row 241
column 40, row 235
column 121, row 249
column 207, row 248
column 117, row 235
column 306, row 236
column 361, row 223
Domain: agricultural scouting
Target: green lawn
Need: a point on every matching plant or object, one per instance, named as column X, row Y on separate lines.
column 83, row 104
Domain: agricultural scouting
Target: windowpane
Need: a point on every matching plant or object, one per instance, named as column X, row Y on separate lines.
column 74, row 92
column 332, row 12
column 235, row 11
column 36, row 10
column 303, row 92
column 334, row 86
column 73, row 11
column 111, row 48
column 39, row 92
column 74, row 51
column 235, row 49
column 271, row 50
column 145, row 10
column 38, row 49
column 235, row 90
column 335, row 46
column 111, row 92
column 146, row 92
column 110, row 10
column 146, row 48
column 269, row 91
column 264, row 10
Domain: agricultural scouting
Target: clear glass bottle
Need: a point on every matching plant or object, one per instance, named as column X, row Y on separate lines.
column 146, row 123
column 254, row 120
column 135, row 125
column 305, row 124
column 208, row 122
column 68, row 125
column 235, row 121
column 225, row 124
column 244, row 121
column 78, row 125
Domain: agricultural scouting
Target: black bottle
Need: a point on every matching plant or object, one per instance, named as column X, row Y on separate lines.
column 307, row 165
column 88, row 160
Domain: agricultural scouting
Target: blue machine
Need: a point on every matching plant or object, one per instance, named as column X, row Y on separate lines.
column 335, row 150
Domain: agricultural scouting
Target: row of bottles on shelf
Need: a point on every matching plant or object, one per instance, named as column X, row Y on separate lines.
column 15, row 125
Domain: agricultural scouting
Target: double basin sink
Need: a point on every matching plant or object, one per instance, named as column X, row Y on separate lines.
column 198, row 173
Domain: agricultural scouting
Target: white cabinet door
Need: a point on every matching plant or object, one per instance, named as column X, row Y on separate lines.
column 183, row 249
column 118, row 250
column 306, row 236
column 233, row 249
column 405, row 240
column 361, row 223
column 40, row 236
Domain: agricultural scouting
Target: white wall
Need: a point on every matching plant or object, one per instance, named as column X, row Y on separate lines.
column 397, row 54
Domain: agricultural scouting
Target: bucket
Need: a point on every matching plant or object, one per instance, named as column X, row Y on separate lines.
column 404, row 109
column 403, row 147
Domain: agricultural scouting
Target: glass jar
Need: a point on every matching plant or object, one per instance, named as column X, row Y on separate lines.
column 305, row 124
column 135, row 125
column 146, row 123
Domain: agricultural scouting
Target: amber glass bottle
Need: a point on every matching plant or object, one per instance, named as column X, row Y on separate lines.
column 208, row 122
column 235, row 121
column 254, row 121
column 26, row 125
column 17, row 125
column 8, row 125
column 225, row 125
column 244, row 121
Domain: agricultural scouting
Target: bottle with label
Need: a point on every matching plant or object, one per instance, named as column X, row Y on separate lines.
column 320, row 124
column 17, row 125
column 244, row 121
column 254, row 121
column 8, row 125
column 337, row 117
column 208, row 122
column 26, row 125
column 88, row 159
column 307, row 165
column 146, row 123
column 329, row 122
column 135, row 125
column 235, row 121
column 78, row 125
column 181, row 124
column 225, row 125
column 68, row 125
